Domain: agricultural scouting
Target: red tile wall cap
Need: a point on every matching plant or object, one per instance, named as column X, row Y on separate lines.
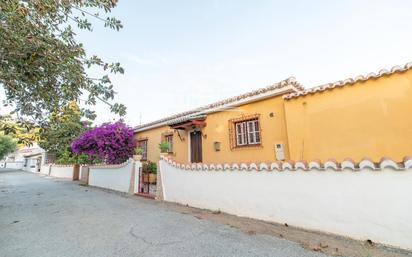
column 264, row 166
column 315, row 164
column 350, row 81
column 407, row 162
column 199, row 166
column 347, row 163
column 302, row 165
column 234, row 166
column 226, row 166
column 288, row 165
column 367, row 162
column 110, row 166
column 387, row 162
column 253, row 166
column 212, row 166
column 331, row 164
column 244, row 166
column 277, row 165
column 407, row 158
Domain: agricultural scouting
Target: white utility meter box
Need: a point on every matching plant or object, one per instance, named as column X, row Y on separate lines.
column 280, row 152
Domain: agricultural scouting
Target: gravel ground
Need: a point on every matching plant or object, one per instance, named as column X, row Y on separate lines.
column 42, row 216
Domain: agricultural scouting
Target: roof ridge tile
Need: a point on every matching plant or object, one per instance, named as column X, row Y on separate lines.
column 291, row 81
column 350, row 81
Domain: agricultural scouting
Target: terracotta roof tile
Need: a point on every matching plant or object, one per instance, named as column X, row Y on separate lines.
column 287, row 82
column 331, row 164
column 350, row 81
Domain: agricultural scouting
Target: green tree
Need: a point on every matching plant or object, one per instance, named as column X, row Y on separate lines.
column 67, row 157
column 7, row 145
column 42, row 66
column 63, row 126
column 25, row 132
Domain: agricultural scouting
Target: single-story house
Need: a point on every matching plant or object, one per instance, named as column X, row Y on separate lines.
column 26, row 158
column 365, row 116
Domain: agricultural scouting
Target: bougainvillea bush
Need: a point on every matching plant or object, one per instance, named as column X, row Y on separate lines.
column 112, row 143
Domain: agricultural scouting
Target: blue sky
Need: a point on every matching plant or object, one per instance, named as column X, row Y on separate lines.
column 183, row 54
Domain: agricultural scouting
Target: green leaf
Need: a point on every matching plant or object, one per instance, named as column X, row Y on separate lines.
column 42, row 66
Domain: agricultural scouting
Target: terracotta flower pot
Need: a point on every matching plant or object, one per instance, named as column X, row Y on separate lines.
column 137, row 157
column 150, row 178
column 145, row 177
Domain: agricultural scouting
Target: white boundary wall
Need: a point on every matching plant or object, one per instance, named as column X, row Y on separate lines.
column 14, row 165
column 31, row 165
column 114, row 177
column 62, row 171
column 45, row 169
column 364, row 204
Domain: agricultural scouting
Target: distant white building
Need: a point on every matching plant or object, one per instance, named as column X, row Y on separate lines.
column 26, row 158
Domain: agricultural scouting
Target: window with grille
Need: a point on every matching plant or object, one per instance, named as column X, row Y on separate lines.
column 143, row 144
column 169, row 140
column 247, row 132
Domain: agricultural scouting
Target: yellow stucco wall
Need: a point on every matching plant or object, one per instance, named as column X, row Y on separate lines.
column 154, row 137
column 369, row 118
column 273, row 130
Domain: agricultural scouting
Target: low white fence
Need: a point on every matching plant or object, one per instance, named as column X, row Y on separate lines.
column 362, row 201
column 122, row 177
column 45, row 169
column 13, row 165
column 62, row 171
column 58, row 171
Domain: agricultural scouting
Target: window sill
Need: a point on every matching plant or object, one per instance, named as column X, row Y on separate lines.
column 247, row 146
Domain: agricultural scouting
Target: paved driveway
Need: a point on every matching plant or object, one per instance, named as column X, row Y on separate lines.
column 41, row 216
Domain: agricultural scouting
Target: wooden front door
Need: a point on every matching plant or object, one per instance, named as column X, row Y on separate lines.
column 195, row 146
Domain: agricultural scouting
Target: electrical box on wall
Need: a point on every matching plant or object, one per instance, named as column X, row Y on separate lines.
column 280, row 152
column 216, row 146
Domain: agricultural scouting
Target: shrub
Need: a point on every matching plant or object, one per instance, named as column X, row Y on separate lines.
column 67, row 158
column 112, row 143
column 150, row 167
column 138, row 151
column 164, row 146
column 7, row 146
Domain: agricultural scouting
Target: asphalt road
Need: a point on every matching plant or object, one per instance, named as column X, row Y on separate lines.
column 42, row 216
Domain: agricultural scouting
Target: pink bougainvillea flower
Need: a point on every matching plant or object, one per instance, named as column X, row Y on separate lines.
column 112, row 143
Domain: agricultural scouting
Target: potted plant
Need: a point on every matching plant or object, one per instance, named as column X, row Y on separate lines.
column 164, row 147
column 152, row 167
column 145, row 172
column 138, row 152
column 149, row 172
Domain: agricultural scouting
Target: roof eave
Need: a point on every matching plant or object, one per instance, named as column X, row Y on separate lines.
column 277, row 92
column 349, row 81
